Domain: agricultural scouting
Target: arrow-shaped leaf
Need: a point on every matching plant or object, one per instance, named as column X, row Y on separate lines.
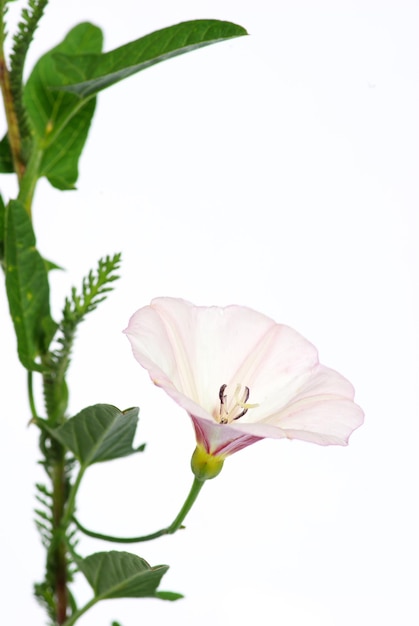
column 99, row 433
column 59, row 120
column 27, row 287
column 91, row 73
column 123, row 575
column 59, row 95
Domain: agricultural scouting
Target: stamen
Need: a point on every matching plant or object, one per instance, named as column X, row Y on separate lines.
column 223, row 401
column 245, row 398
column 239, row 403
column 240, row 414
column 242, row 402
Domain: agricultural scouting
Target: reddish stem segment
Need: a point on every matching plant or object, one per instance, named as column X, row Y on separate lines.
column 60, row 549
column 11, row 117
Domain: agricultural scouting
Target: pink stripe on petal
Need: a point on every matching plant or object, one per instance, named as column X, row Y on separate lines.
column 221, row 440
column 273, row 385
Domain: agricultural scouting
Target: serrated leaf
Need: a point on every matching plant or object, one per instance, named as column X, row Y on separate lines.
column 93, row 72
column 99, row 433
column 27, row 287
column 59, row 120
column 6, row 159
column 121, row 575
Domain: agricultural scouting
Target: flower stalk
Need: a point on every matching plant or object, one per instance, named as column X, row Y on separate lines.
column 188, row 504
column 204, row 466
column 169, row 530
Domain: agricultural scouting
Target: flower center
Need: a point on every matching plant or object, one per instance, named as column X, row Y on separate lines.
column 238, row 407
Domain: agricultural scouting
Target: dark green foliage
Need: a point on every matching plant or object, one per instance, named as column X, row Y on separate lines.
column 60, row 122
column 122, row 575
column 44, row 516
column 27, row 287
column 45, row 595
column 54, row 111
column 95, row 288
column 99, row 433
column 21, row 41
column 87, row 74
column 2, row 227
column 3, row 11
column 52, row 535
column 6, row 159
column 59, row 95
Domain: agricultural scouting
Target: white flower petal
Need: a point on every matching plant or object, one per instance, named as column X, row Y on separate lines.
column 192, row 351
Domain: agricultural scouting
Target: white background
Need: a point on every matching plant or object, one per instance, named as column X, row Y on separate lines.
column 277, row 171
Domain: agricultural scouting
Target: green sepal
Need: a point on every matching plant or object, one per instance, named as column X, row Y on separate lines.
column 123, row 575
column 60, row 121
column 90, row 73
column 204, row 465
column 99, row 433
column 27, row 287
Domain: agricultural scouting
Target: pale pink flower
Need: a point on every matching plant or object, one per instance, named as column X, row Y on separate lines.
column 241, row 376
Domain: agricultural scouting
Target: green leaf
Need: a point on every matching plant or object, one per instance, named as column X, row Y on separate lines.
column 168, row 595
column 99, row 433
column 50, row 265
column 90, row 73
column 59, row 95
column 60, row 121
column 27, row 287
column 2, row 227
column 122, row 575
column 6, row 159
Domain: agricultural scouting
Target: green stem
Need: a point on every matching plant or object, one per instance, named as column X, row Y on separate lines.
column 174, row 526
column 189, row 502
column 31, row 398
column 71, row 501
column 110, row 538
column 73, row 618
column 30, row 178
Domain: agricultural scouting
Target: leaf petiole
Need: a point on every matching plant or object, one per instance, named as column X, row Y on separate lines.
column 77, row 614
column 71, row 502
